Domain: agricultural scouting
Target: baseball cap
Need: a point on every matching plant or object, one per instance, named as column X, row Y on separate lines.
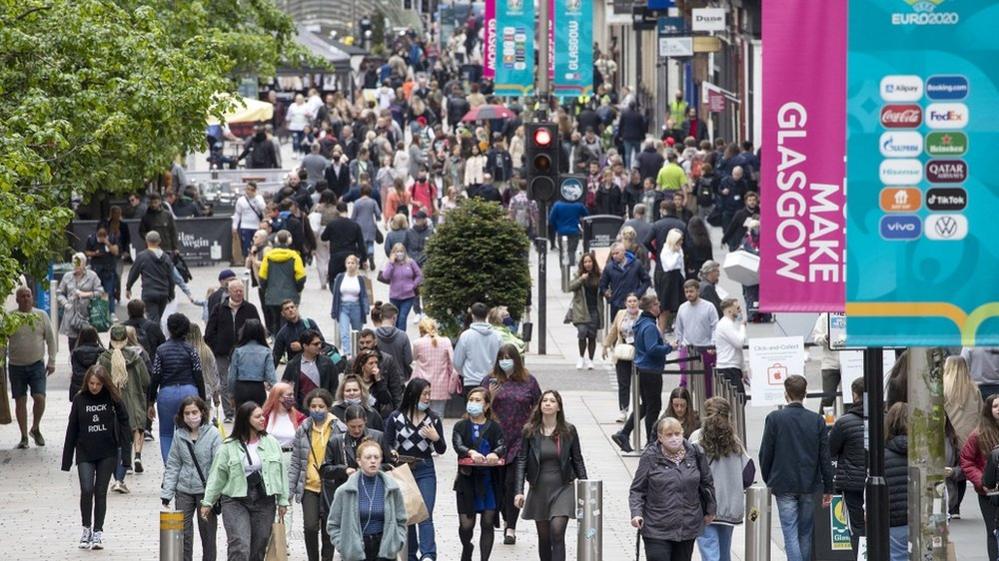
column 227, row 274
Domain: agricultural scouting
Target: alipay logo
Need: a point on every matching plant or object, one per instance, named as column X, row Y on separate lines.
column 901, row 88
column 901, row 172
column 901, row 144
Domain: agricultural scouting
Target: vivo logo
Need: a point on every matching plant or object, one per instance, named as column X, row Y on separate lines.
column 901, row 172
column 947, row 116
column 901, row 144
column 901, row 227
column 901, row 88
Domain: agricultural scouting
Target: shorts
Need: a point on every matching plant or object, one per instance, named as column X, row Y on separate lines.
column 21, row 377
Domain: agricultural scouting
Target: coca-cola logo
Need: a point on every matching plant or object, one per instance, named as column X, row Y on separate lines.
column 901, row 116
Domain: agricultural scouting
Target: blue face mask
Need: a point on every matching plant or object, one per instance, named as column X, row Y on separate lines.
column 474, row 409
column 422, row 406
column 506, row 365
column 318, row 417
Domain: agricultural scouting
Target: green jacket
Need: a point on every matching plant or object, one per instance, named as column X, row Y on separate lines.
column 228, row 479
column 344, row 522
column 579, row 312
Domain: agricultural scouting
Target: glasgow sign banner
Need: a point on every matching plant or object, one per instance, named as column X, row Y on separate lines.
column 573, row 24
column 489, row 40
column 923, row 263
column 802, row 231
column 514, row 46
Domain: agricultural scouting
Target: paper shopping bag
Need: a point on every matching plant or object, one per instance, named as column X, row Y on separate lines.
column 277, row 545
column 416, row 509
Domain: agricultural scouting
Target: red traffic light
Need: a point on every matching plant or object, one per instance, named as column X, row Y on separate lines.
column 542, row 138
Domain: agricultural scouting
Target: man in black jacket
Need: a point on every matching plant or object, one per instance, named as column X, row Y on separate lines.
column 345, row 238
column 337, row 174
column 286, row 342
column 311, row 369
column 260, row 150
column 155, row 268
column 650, row 161
column 736, row 230
column 159, row 219
column 390, row 368
column 797, row 467
column 846, row 447
column 148, row 333
column 222, row 330
column 632, row 127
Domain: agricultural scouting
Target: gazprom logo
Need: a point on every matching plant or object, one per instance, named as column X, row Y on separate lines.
column 901, row 144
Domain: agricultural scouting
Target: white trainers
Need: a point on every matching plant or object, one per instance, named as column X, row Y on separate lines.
column 85, row 539
column 623, row 416
column 417, row 318
column 589, row 364
column 579, row 363
column 97, row 541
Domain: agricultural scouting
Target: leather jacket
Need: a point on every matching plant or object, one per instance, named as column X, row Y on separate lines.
column 570, row 459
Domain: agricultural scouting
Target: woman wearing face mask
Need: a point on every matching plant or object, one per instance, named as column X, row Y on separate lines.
column 192, row 453
column 353, row 391
column 432, row 361
column 551, row 461
column 250, row 479
column 305, row 483
column 283, row 421
column 681, row 408
column 403, row 276
column 367, row 520
column 416, row 431
column 515, row 394
column 478, row 485
column 340, row 460
column 672, row 495
column 620, row 340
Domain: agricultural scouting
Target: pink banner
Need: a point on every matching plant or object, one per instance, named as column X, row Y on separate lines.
column 802, row 240
column 489, row 39
column 551, row 40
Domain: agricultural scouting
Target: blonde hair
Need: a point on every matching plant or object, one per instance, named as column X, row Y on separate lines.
column 399, row 246
column 399, row 222
column 673, row 239
column 428, row 326
column 628, row 234
column 119, row 367
column 667, row 423
column 79, row 259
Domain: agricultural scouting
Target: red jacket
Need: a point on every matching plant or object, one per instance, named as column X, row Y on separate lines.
column 973, row 462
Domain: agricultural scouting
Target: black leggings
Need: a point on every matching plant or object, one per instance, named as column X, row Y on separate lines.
column 510, row 511
column 94, row 480
column 664, row 550
column 551, row 538
column 623, row 369
column 466, row 529
column 650, row 389
column 314, row 528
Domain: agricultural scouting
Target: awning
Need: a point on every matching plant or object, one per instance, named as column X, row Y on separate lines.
column 247, row 110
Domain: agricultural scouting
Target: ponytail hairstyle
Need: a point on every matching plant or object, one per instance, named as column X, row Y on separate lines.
column 119, row 366
column 428, row 326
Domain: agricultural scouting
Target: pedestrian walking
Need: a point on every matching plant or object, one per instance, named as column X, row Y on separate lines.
column 155, row 267
column 586, row 311
column 963, row 404
column 250, row 479
column 672, row 496
column 650, row 360
column 225, row 322
column 797, row 468
column 195, row 444
column 415, row 432
column 622, row 276
column 897, row 480
column 247, row 214
column 251, row 370
column 103, row 255
column 305, row 482
column 514, row 394
column 475, row 353
column 694, row 328
column 88, row 350
column 341, row 460
column 30, row 354
column 131, row 378
column 75, row 291
column 404, row 277
column 97, row 430
column 732, row 472
column 354, row 392
column 830, row 361
column 551, row 460
column 847, row 447
column 433, row 360
column 680, row 406
column 974, row 457
column 367, row 368
column 209, row 368
column 729, row 337
column 620, row 343
column 283, row 418
column 149, row 333
column 478, row 441
column 367, row 520
column 345, row 237
column 350, row 302
column 287, row 344
column 282, row 274
column 392, row 340
column 311, row 370
column 176, row 374
column 670, row 286
column 365, row 214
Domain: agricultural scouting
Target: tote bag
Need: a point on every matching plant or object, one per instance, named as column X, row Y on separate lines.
column 416, row 509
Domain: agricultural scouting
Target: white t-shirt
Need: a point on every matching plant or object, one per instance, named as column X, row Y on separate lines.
column 350, row 288
column 729, row 339
column 280, row 427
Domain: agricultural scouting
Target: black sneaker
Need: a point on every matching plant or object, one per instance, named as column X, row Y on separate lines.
column 622, row 442
column 23, row 445
column 137, row 465
column 37, row 435
column 148, row 436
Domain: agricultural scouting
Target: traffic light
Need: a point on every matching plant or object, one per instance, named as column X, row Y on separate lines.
column 542, row 161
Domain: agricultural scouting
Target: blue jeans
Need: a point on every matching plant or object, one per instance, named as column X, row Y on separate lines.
column 426, row 480
column 797, row 519
column 351, row 317
column 167, row 404
column 404, row 306
column 630, row 149
column 898, row 543
column 715, row 542
column 296, row 140
column 246, row 240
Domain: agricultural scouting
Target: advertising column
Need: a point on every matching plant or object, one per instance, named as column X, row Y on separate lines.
column 514, row 47
column 923, row 267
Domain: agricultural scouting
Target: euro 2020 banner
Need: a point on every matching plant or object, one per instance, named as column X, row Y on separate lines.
column 514, row 45
column 573, row 24
column 923, row 124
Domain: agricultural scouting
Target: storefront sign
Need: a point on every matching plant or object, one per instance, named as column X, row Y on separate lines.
column 772, row 360
column 802, row 224
column 708, row 19
column 201, row 241
column 573, row 47
column 514, row 47
column 924, row 271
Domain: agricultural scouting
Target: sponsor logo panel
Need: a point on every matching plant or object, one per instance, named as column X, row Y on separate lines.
column 901, row 227
column 946, row 227
column 901, row 199
column 946, row 143
column 946, row 87
column 901, row 144
column 947, row 115
column 901, row 116
column 901, row 172
column 901, row 88
column 946, row 171
column 946, row 199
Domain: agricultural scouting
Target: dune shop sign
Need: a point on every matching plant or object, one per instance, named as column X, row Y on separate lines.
column 201, row 241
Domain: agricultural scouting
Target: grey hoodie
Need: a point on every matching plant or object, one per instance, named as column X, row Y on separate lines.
column 475, row 353
column 180, row 474
column 395, row 342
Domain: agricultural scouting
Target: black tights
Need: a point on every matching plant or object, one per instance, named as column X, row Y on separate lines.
column 467, row 528
column 587, row 344
column 551, row 538
column 94, row 480
column 510, row 511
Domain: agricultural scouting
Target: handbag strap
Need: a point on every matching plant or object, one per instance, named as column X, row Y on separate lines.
column 197, row 466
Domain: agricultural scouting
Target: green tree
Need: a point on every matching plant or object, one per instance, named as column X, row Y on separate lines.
column 477, row 255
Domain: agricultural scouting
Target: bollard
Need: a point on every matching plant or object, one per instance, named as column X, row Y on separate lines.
column 695, row 382
column 54, row 309
column 589, row 511
column 172, row 535
column 740, row 412
column 758, row 523
column 354, row 336
column 564, row 262
column 636, row 433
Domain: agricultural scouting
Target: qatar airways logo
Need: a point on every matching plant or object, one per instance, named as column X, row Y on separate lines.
column 901, row 116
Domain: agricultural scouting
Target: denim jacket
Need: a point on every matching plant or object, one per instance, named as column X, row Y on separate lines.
column 251, row 363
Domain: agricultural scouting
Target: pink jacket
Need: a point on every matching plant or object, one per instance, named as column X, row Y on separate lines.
column 434, row 364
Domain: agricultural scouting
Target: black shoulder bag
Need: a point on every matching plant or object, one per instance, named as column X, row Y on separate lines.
column 217, row 507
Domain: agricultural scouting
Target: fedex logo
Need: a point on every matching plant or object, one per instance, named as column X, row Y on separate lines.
column 947, row 116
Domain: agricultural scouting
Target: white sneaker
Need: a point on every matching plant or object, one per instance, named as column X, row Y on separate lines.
column 85, row 539
column 417, row 318
column 97, row 541
column 579, row 363
column 623, row 416
column 589, row 364
column 114, row 487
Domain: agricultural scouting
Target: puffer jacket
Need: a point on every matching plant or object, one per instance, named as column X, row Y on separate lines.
column 672, row 499
column 81, row 359
column 897, row 478
column 282, row 275
column 302, row 453
column 181, row 473
column 846, row 446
